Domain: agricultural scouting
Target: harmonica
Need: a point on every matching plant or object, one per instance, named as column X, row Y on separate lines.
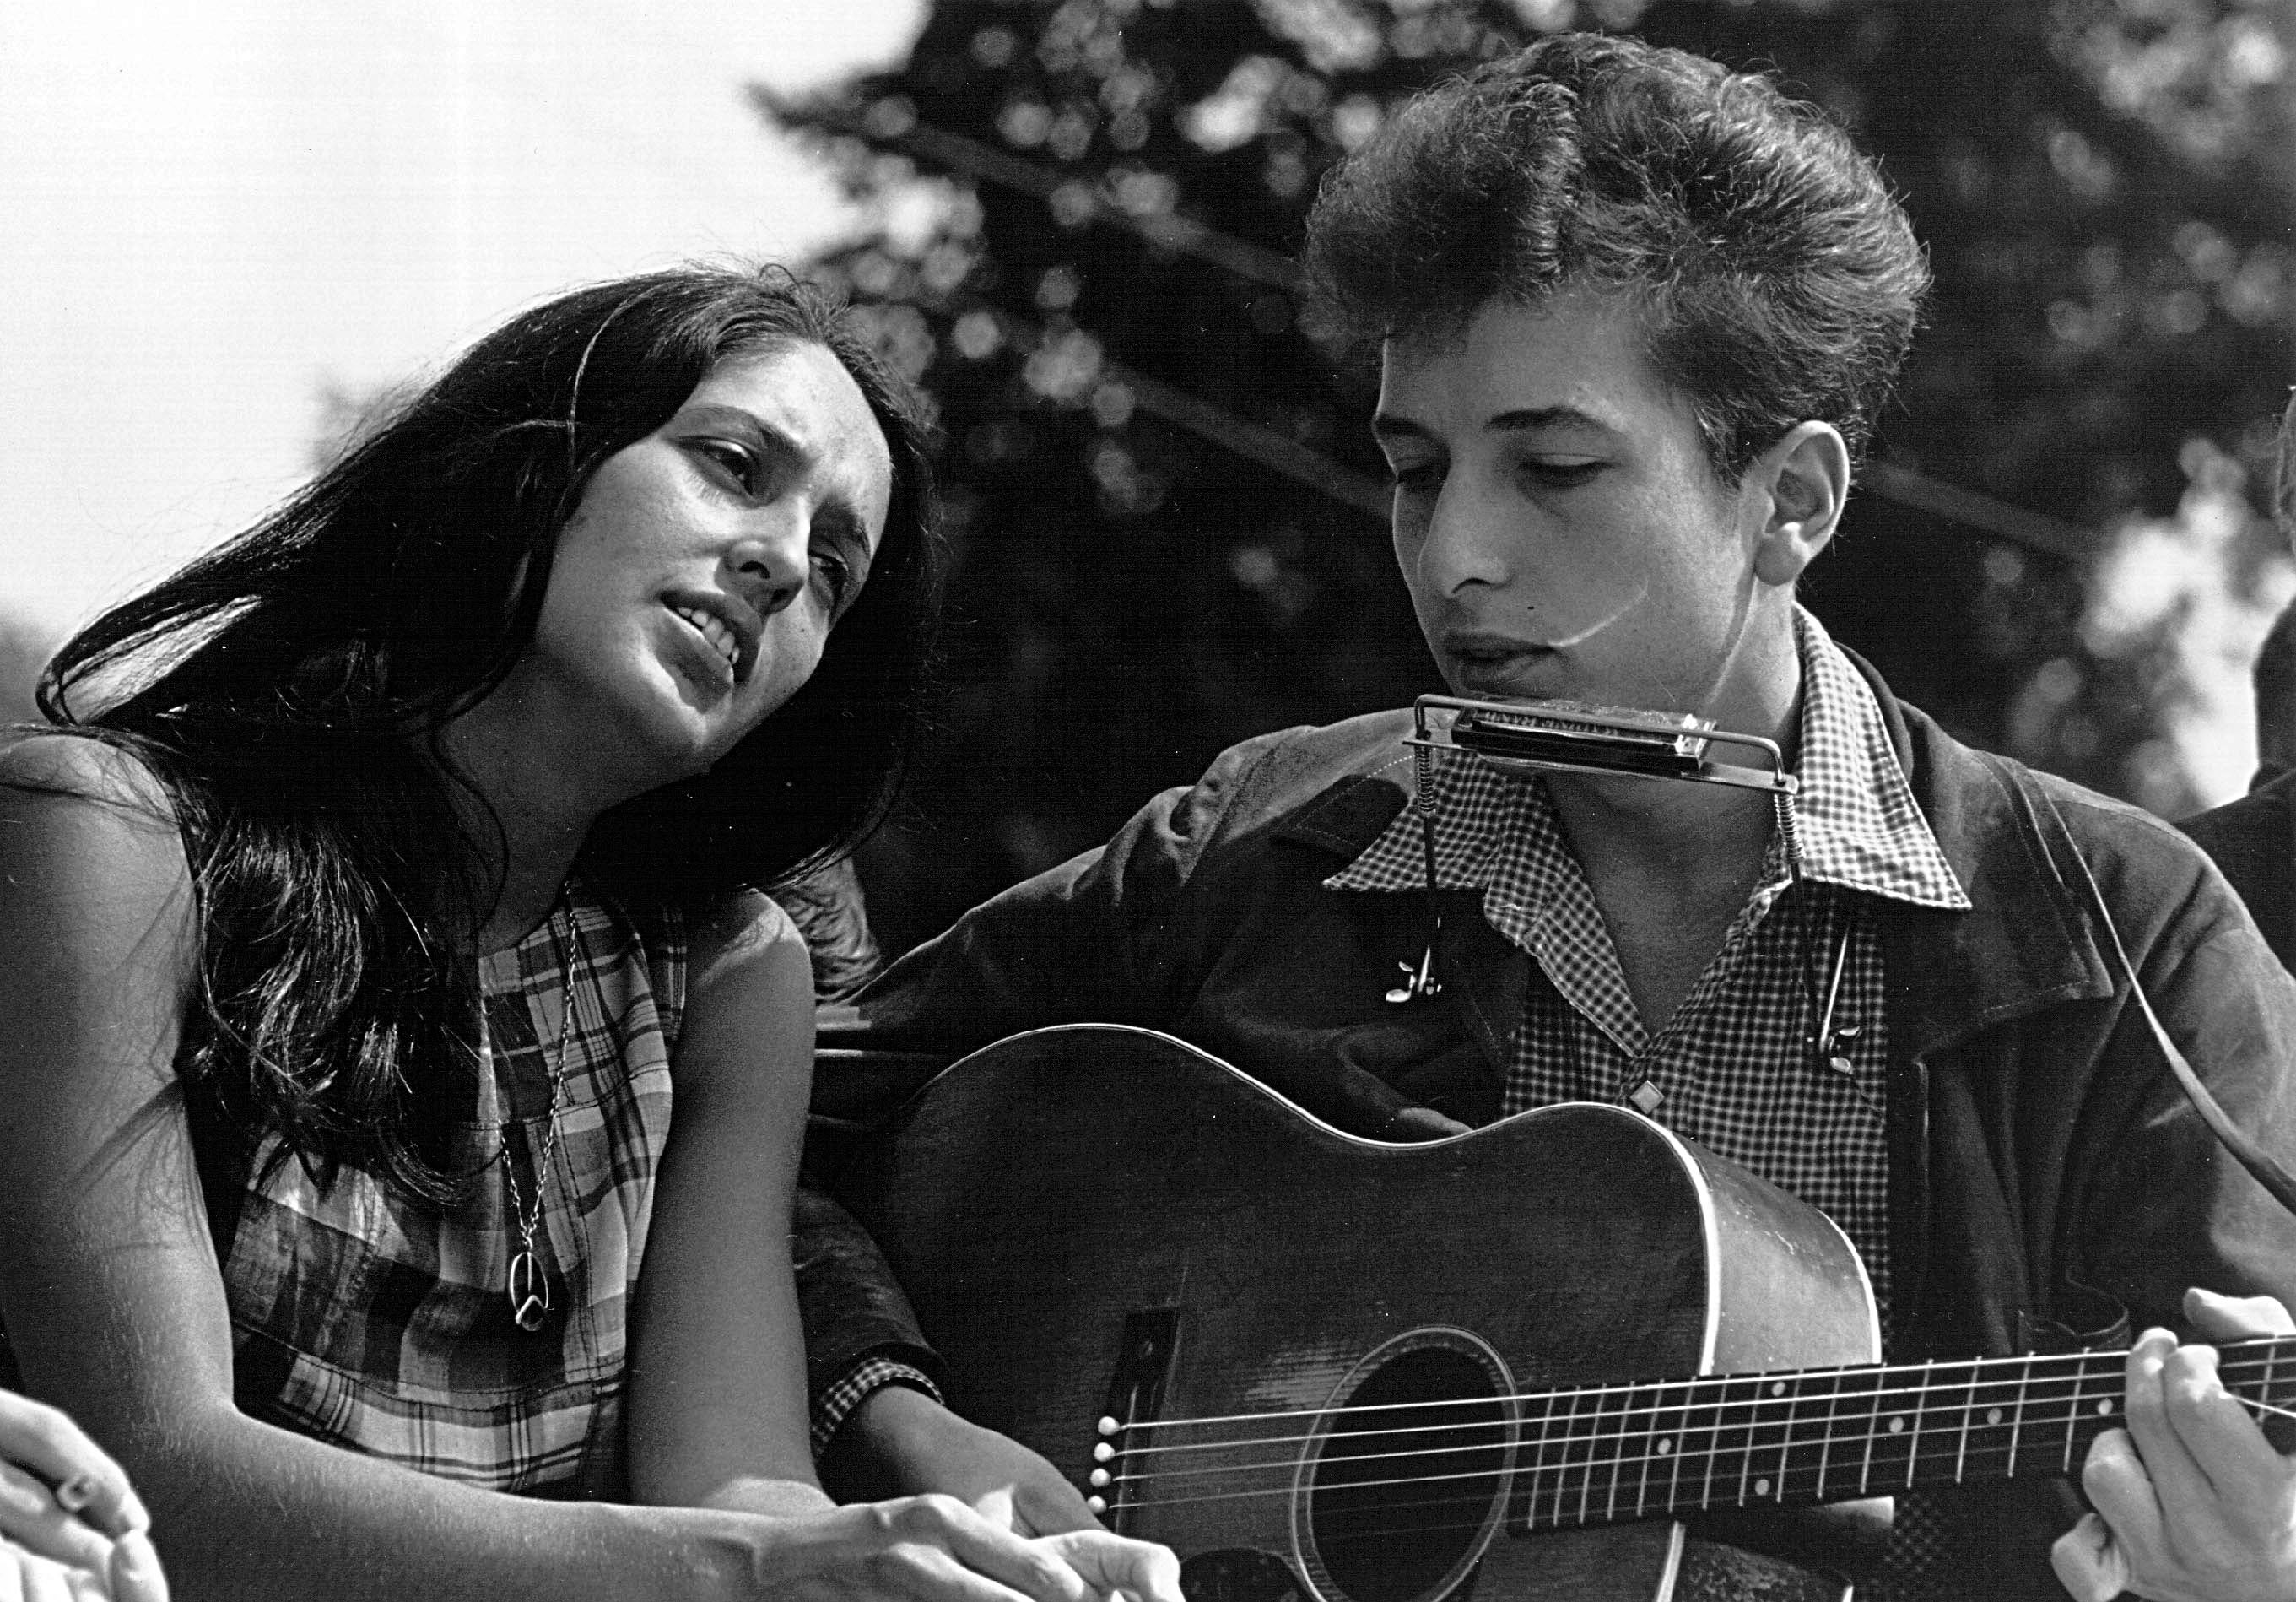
column 1569, row 737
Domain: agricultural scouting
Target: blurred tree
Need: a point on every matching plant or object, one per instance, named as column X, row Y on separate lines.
column 1084, row 212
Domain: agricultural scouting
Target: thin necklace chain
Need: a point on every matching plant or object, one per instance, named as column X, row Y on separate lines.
column 529, row 1286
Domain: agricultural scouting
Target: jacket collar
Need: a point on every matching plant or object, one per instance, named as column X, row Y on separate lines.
column 2025, row 943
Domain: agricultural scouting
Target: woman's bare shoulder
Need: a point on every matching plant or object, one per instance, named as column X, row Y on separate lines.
column 742, row 928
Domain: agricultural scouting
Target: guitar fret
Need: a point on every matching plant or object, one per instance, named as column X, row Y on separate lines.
column 2077, row 1407
column 1913, row 1434
column 1678, row 1414
column 1968, row 1410
column 1541, row 1456
column 2017, row 1412
column 1779, row 1390
column 1745, row 1445
column 1825, row 1436
column 1872, row 1430
column 1586, row 1458
column 1613, row 1446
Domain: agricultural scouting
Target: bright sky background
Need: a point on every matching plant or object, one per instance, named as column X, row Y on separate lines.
column 214, row 209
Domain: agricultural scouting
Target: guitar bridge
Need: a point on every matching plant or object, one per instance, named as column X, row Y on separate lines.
column 1135, row 1400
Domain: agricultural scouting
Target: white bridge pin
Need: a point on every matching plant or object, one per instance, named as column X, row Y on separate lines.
column 1102, row 1452
column 1109, row 1426
column 1099, row 1479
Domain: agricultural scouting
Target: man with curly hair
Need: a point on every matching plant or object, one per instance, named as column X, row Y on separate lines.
column 1634, row 316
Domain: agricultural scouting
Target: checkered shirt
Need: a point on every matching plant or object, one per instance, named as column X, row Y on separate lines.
column 394, row 1322
column 1732, row 1069
column 867, row 1375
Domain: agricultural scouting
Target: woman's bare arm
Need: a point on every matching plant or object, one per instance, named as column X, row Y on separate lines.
column 108, row 1283
column 717, row 1399
column 111, row 1295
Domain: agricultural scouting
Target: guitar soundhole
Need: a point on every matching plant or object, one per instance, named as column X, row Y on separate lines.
column 1405, row 1488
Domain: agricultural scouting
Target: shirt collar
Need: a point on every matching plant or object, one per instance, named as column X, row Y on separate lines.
column 1856, row 818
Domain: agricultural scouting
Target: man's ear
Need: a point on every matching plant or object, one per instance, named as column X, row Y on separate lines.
column 1798, row 488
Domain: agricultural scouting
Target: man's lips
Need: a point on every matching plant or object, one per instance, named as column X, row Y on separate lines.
column 1494, row 663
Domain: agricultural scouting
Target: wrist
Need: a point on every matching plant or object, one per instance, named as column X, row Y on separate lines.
column 870, row 1457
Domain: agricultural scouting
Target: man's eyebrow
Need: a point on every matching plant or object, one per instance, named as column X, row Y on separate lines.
column 1388, row 426
column 1544, row 417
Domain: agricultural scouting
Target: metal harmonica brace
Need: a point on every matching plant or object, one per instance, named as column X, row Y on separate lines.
column 1567, row 737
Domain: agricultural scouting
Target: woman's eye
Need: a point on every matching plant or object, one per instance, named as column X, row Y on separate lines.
column 837, row 574
column 735, row 462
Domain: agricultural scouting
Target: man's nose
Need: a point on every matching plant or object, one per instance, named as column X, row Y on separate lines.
column 1467, row 538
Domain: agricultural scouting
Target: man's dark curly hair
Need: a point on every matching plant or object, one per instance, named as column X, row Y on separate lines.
column 1777, row 278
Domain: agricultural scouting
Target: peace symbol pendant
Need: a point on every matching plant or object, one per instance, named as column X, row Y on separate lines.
column 530, row 1293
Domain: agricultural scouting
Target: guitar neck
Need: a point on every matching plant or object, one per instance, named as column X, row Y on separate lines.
column 1611, row 1453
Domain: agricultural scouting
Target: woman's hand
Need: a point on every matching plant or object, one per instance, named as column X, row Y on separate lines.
column 2193, row 1504
column 70, row 1525
column 935, row 1548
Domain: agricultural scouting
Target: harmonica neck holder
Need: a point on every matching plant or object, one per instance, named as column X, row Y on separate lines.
column 1562, row 736
column 1526, row 738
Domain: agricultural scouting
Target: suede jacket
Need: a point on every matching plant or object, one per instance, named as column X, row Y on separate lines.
column 2048, row 1180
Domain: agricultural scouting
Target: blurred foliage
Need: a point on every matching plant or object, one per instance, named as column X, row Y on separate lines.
column 2106, row 188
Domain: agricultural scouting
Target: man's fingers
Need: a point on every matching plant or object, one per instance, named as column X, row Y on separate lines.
column 2088, row 1561
column 2236, row 1317
column 86, row 1481
column 2123, row 1493
column 2225, row 1443
column 1109, row 1562
column 2159, row 1459
column 29, row 1516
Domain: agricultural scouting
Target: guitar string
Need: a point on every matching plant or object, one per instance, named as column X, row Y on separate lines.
column 1746, row 1454
column 1751, row 1413
column 1714, row 1451
column 1983, row 1373
column 2041, row 1432
column 1547, row 1503
column 1550, row 1499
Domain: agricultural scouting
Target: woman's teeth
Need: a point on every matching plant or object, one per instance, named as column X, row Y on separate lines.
column 716, row 632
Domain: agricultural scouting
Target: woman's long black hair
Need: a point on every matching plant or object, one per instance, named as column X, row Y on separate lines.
column 289, row 690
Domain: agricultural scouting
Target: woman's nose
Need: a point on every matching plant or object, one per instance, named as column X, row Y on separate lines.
column 770, row 564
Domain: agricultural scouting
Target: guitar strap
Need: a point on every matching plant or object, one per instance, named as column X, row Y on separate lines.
column 2262, row 1166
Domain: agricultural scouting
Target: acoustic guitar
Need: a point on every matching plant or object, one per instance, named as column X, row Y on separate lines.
column 1510, row 1362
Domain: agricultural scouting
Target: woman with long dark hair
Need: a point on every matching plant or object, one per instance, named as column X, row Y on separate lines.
column 404, row 1065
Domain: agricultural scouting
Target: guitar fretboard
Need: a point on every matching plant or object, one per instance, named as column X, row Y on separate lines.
column 1614, row 1452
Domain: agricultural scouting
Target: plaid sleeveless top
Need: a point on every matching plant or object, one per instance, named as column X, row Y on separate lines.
column 379, row 1325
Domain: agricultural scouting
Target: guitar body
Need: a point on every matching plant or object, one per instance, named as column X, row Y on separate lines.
column 1097, row 1222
